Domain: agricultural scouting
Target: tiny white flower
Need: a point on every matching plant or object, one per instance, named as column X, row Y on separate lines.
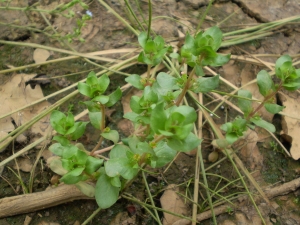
column 89, row 13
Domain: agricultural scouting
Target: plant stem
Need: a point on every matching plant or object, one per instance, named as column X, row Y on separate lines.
column 102, row 127
column 148, row 72
column 186, row 87
column 91, row 216
column 267, row 98
column 203, row 16
column 149, row 18
column 97, row 146
column 150, row 197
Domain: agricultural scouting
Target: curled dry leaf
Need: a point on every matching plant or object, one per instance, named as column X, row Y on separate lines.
column 40, row 55
column 171, row 201
column 291, row 126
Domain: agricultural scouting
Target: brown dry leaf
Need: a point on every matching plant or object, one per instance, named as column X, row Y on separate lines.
column 250, row 151
column 40, row 55
column 290, row 126
column 24, row 164
column 172, row 202
column 15, row 94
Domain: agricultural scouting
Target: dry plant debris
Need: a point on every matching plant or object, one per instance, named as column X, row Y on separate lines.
column 15, row 94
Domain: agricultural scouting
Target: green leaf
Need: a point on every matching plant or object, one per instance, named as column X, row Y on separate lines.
column 159, row 42
column 57, row 149
column 135, row 81
column 149, row 95
column 96, row 120
column 56, row 166
column 121, row 166
column 188, row 144
column 279, row 68
column 106, row 194
column 73, row 176
column 143, row 58
column 273, row 108
column 70, row 120
column 265, row 83
column 103, row 83
column 244, row 104
column 217, row 60
column 114, row 97
column 166, row 81
column 57, row 121
column 119, row 151
column 142, row 38
column 92, row 79
column 204, row 84
column 79, row 130
column 115, row 181
column 163, row 155
column 92, row 164
column 199, row 71
column 85, row 89
column 189, row 42
column 216, row 34
column 150, row 46
column 62, row 140
column 262, row 123
column 112, row 135
column 86, row 189
column 291, row 84
column 69, row 151
column 189, row 113
column 158, row 118
column 103, row 99
column 135, row 104
column 81, row 157
column 231, row 137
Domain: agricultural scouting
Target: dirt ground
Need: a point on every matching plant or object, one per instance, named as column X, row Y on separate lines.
column 263, row 156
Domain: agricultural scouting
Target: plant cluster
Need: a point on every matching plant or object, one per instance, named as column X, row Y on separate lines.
column 289, row 80
column 163, row 126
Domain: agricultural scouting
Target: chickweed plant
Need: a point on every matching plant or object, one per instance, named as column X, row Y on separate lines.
column 163, row 124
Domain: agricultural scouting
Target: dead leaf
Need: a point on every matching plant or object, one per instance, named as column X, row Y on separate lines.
column 290, row 126
column 40, row 55
column 16, row 94
column 171, row 201
column 250, row 151
column 24, row 164
column 126, row 127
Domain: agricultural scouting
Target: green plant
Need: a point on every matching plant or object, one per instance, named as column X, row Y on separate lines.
column 163, row 126
column 289, row 80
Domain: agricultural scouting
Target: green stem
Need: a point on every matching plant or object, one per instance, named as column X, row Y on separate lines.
column 203, row 16
column 91, row 216
column 150, row 197
column 133, row 14
column 149, row 18
column 185, row 88
column 119, row 17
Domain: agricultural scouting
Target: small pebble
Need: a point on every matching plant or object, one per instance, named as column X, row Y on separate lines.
column 211, row 114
